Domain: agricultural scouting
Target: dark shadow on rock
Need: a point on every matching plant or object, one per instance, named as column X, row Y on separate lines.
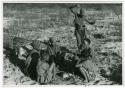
column 21, row 63
column 117, row 75
column 32, row 67
column 67, row 65
column 15, row 60
column 65, row 50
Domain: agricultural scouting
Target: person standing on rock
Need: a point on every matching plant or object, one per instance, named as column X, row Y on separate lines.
column 80, row 27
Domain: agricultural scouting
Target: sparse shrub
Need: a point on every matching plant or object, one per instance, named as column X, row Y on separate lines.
column 117, row 74
column 98, row 36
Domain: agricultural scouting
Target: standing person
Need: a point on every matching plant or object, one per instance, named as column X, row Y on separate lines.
column 53, row 50
column 52, row 46
column 80, row 27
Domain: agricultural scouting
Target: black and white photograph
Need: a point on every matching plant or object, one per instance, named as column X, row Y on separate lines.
column 62, row 43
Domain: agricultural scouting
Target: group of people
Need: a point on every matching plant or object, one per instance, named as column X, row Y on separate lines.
column 42, row 64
